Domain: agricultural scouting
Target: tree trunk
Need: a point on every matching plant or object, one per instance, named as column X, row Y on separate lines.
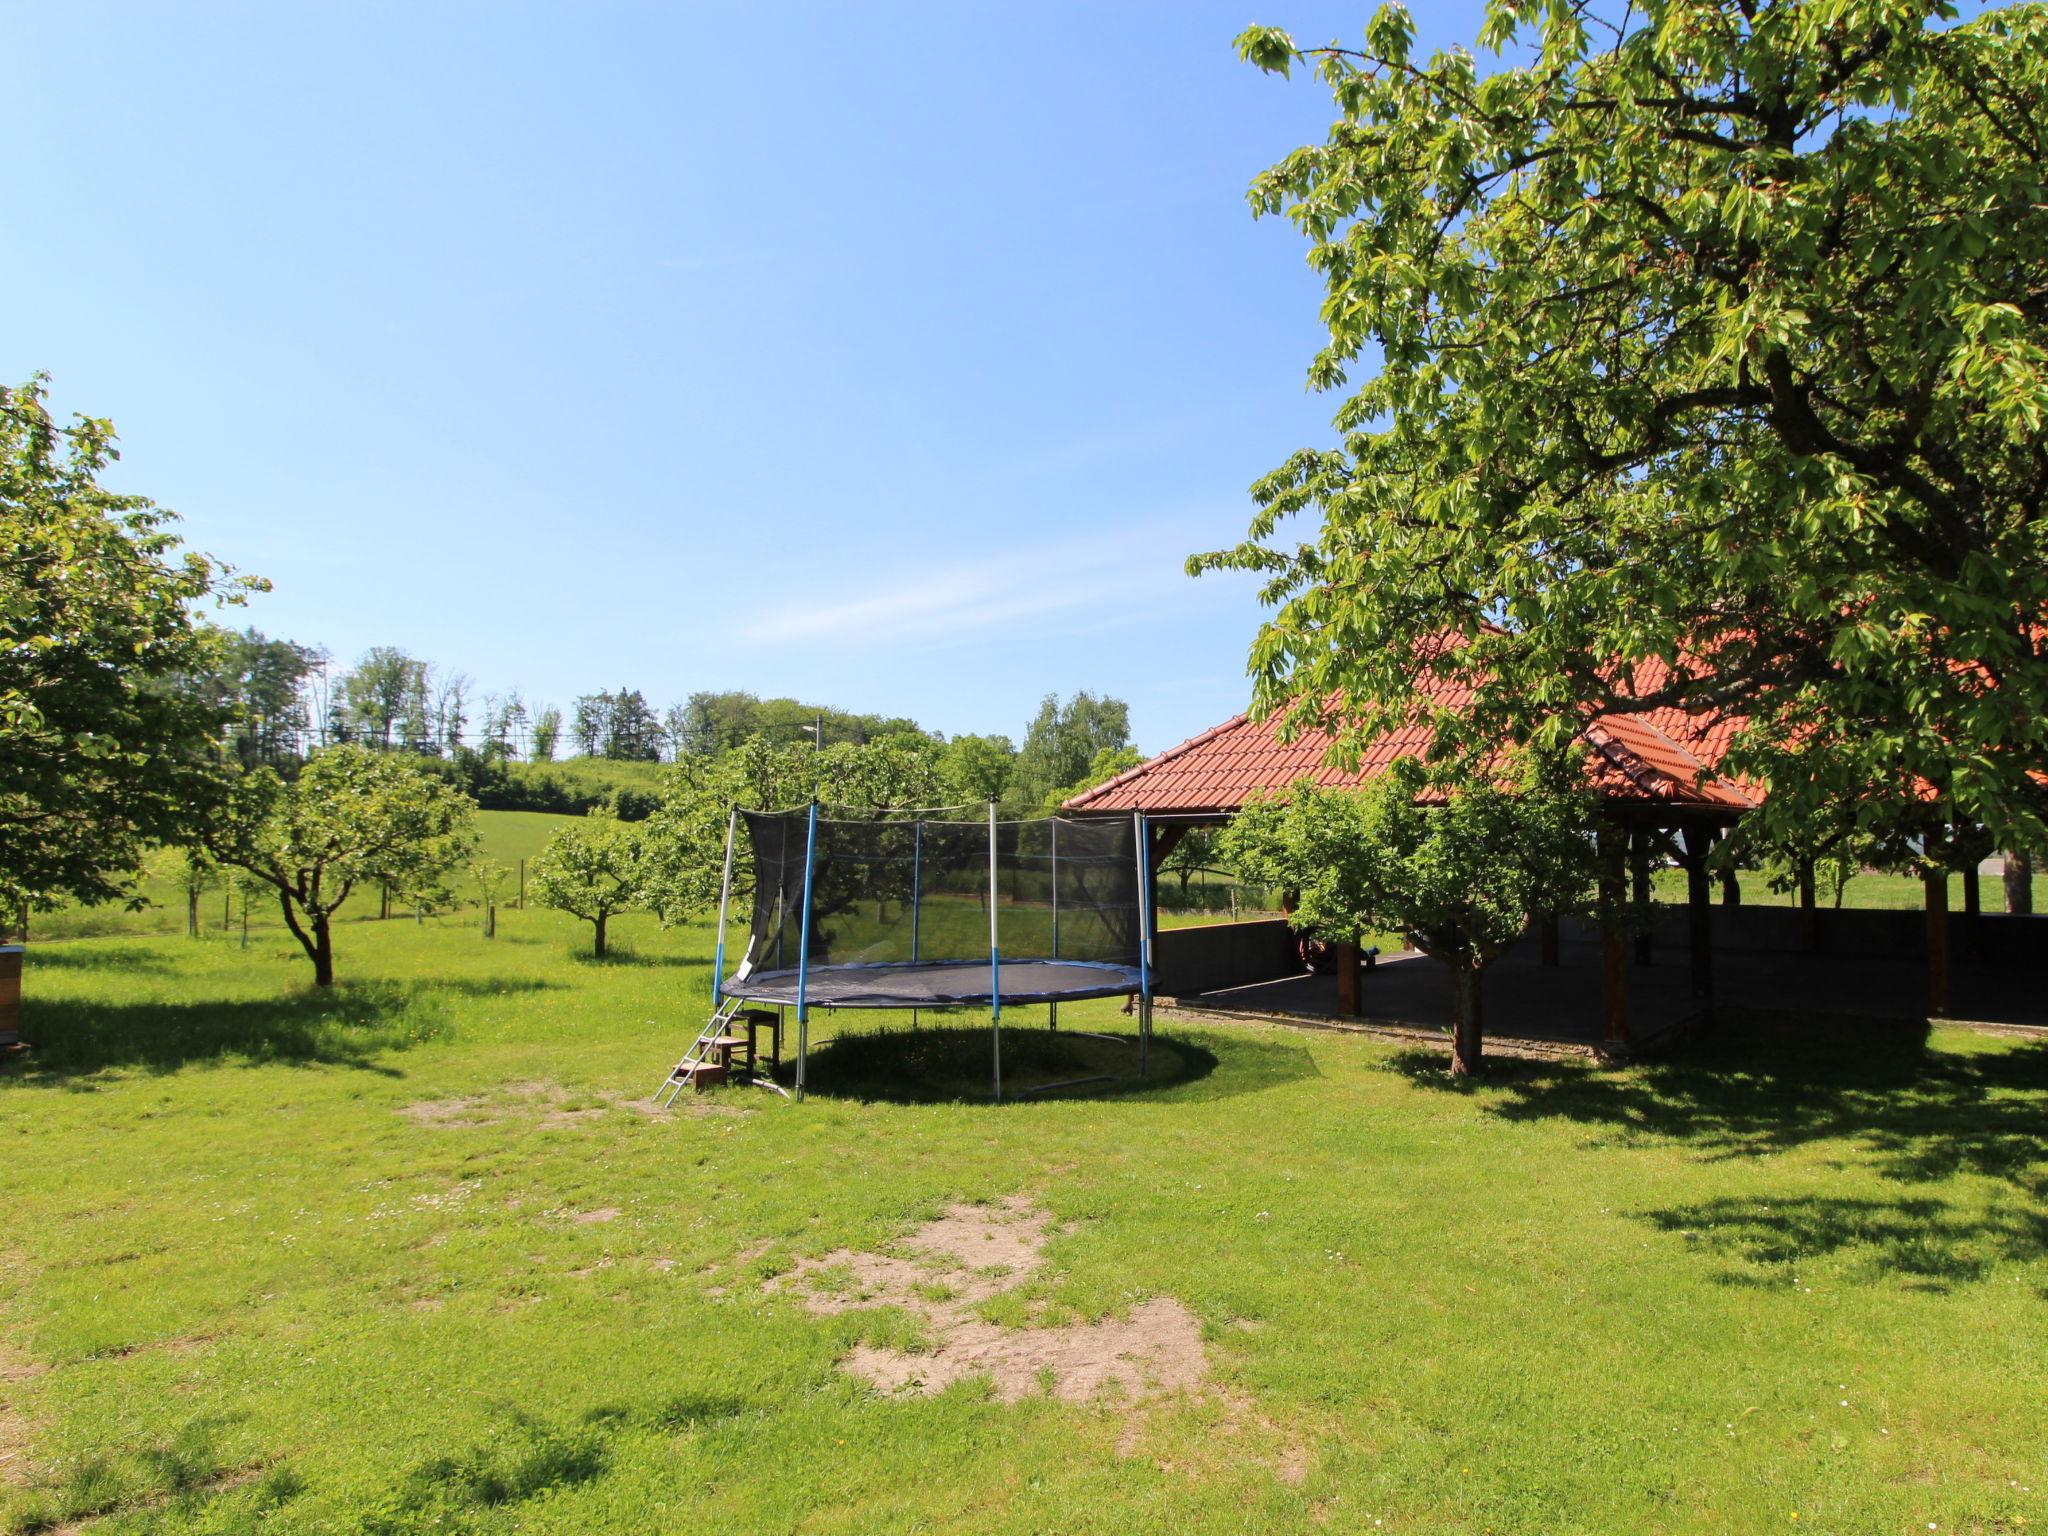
column 323, row 952
column 191, row 914
column 598, row 922
column 2019, row 883
column 1467, row 1024
column 1731, row 887
column 490, row 922
column 1549, row 941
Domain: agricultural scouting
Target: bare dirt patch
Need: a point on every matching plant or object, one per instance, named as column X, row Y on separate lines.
column 603, row 1213
column 543, row 1103
column 948, row 1267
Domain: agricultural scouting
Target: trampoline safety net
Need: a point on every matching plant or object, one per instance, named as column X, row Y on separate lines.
column 898, row 911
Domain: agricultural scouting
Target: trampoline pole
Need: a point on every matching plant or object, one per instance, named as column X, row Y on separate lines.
column 995, row 964
column 1144, row 945
column 916, row 894
column 724, row 896
column 803, row 957
column 1052, row 1009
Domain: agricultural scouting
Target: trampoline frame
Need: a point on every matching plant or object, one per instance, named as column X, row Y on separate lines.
column 720, row 992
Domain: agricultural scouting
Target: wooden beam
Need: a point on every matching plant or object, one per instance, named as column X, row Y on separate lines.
column 1639, row 876
column 1350, row 994
column 1612, row 845
column 1934, row 887
column 1699, row 912
column 1809, row 908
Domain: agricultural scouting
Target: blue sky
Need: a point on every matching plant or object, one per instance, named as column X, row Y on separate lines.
column 890, row 356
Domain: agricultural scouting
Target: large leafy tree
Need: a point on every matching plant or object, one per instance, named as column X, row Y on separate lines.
column 1461, row 874
column 354, row 817
column 103, row 754
column 1064, row 741
column 1708, row 365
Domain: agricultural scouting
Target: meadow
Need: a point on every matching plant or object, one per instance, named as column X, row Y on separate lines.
column 417, row 1255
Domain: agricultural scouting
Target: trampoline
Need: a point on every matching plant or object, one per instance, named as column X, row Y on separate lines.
column 903, row 912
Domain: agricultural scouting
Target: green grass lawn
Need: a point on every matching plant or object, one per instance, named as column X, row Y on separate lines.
column 413, row 1256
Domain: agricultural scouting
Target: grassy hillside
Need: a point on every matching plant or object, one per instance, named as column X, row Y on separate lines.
column 507, row 836
column 415, row 1256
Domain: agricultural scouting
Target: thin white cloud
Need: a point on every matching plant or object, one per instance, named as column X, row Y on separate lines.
column 1121, row 577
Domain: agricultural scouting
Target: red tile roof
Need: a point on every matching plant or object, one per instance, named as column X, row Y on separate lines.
column 1658, row 756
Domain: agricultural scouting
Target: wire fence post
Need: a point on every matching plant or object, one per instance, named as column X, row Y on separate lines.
column 724, row 896
column 995, row 964
column 803, row 957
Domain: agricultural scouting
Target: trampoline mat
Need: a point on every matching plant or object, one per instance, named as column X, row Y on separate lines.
column 959, row 983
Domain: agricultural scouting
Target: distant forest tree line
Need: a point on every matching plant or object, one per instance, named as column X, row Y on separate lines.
column 285, row 701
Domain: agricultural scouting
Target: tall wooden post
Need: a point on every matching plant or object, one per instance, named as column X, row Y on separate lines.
column 1699, row 912
column 1934, row 885
column 1639, row 877
column 1809, row 908
column 1613, row 851
column 1350, row 995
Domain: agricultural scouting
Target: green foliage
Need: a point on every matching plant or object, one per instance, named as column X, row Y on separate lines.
column 686, row 837
column 1064, row 743
column 384, row 699
column 618, row 726
column 977, row 768
column 547, row 731
column 592, row 869
column 1704, row 334
column 710, row 723
column 1461, row 874
column 102, row 753
column 258, row 685
column 1104, row 766
column 354, row 816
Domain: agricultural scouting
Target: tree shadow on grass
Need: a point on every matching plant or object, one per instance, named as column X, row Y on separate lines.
column 624, row 959
column 1759, row 1083
column 1926, row 1242
column 955, row 1064
column 99, row 955
column 348, row 1025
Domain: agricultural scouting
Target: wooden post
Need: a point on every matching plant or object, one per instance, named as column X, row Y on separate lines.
column 1549, row 934
column 1613, row 851
column 522, row 885
column 1639, row 876
column 1350, row 995
column 1809, row 908
column 10, row 996
column 1973, row 908
column 1699, row 912
column 1934, row 886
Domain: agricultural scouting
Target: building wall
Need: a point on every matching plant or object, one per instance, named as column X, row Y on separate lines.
column 1190, row 960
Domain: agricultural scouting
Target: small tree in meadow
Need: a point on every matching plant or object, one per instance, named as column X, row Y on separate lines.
column 1461, row 872
column 490, row 877
column 591, row 869
column 353, row 817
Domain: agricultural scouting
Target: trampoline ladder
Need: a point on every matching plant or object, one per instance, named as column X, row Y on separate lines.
column 709, row 1058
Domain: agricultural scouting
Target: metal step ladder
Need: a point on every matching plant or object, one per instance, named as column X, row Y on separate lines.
column 709, row 1058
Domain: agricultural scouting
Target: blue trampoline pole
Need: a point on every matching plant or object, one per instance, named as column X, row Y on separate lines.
column 803, row 955
column 916, row 894
column 995, row 964
column 1052, row 1009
